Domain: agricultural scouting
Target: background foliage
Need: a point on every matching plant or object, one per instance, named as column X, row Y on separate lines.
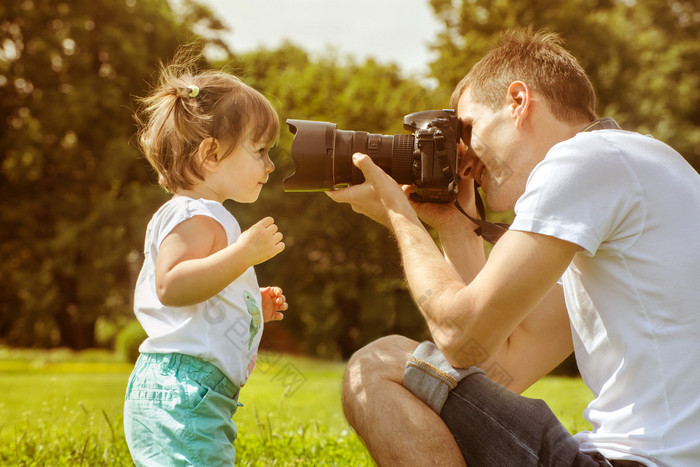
column 643, row 56
column 76, row 195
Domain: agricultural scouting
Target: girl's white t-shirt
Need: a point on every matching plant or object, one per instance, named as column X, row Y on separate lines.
column 224, row 330
column 633, row 292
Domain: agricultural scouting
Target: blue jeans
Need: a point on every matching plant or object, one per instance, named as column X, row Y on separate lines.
column 178, row 412
column 492, row 426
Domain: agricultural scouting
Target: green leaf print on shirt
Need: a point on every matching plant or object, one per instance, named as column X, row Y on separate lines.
column 254, row 311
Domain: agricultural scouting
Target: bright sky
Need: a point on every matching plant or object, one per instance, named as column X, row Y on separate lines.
column 397, row 31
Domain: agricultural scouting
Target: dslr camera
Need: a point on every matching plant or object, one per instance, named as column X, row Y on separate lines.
column 428, row 158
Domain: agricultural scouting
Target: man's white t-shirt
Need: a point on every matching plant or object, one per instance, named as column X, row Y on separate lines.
column 633, row 292
column 226, row 329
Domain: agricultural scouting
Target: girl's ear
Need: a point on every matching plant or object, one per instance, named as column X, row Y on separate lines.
column 208, row 154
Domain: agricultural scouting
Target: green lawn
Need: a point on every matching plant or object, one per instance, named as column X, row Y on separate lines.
column 64, row 409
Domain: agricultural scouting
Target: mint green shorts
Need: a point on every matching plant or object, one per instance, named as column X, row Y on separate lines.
column 178, row 412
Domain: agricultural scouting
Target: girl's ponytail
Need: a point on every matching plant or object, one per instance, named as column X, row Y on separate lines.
column 186, row 107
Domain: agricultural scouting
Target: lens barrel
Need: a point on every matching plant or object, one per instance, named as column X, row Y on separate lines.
column 322, row 156
column 402, row 150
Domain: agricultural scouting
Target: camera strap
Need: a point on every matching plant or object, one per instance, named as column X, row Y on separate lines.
column 489, row 231
column 604, row 123
column 492, row 232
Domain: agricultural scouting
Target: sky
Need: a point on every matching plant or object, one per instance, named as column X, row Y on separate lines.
column 397, row 31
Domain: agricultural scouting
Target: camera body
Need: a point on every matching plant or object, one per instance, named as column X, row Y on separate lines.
column 435, row 153
column 427, row 159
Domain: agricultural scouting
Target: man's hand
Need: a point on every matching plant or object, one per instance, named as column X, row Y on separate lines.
column 377, row 196
column 443, row 215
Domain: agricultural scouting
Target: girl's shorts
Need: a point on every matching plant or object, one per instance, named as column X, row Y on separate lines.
column 178, row 411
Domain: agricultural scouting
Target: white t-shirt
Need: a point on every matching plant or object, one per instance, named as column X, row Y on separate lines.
column 633, row 292
column 226, row 329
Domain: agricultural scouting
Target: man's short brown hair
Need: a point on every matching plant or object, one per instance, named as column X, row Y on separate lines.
column 540, row 61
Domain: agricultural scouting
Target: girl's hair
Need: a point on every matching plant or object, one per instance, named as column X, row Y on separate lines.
column 187, row 106
column 539, row 60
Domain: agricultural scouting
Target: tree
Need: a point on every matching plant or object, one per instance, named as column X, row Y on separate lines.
column 75, row 203
column 643, row 57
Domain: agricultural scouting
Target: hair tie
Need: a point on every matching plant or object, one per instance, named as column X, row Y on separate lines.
column 194, row 90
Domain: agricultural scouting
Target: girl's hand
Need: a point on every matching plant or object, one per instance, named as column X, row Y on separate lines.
column 262, row 241
column 273, row 302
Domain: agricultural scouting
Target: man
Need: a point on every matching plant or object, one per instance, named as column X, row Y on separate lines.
column 603, row 258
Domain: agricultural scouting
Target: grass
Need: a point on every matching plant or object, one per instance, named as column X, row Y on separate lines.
column 65, row 409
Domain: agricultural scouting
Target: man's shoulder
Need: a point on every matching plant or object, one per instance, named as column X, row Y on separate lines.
column 609, row 150
column 584, row 142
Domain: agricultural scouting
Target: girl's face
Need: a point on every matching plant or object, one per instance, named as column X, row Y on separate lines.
column 241, row 175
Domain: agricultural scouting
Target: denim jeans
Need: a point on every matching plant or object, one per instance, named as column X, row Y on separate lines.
column 492, row 425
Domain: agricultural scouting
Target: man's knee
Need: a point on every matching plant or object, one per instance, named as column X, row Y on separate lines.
column 374, row 366
column 385, row 358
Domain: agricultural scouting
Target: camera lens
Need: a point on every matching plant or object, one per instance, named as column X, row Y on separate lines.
column 322, row 156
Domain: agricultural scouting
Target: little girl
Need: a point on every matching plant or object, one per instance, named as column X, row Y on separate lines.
column 207, row 135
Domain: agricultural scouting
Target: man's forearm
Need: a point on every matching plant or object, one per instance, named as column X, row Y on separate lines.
column 463, row 249
column 432, row 280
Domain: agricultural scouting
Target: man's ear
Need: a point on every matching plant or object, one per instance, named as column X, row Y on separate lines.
column 519, row 101
column 208, row 154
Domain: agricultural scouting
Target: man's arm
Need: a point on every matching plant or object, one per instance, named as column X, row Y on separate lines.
column 539, row 343
column 462, row 248
column 470, row 322
column 482, row 320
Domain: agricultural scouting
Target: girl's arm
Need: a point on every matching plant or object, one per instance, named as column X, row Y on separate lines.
column 194, row 262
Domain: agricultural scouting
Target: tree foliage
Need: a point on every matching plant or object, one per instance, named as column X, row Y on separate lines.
column 643, row 56
column 76, row 195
